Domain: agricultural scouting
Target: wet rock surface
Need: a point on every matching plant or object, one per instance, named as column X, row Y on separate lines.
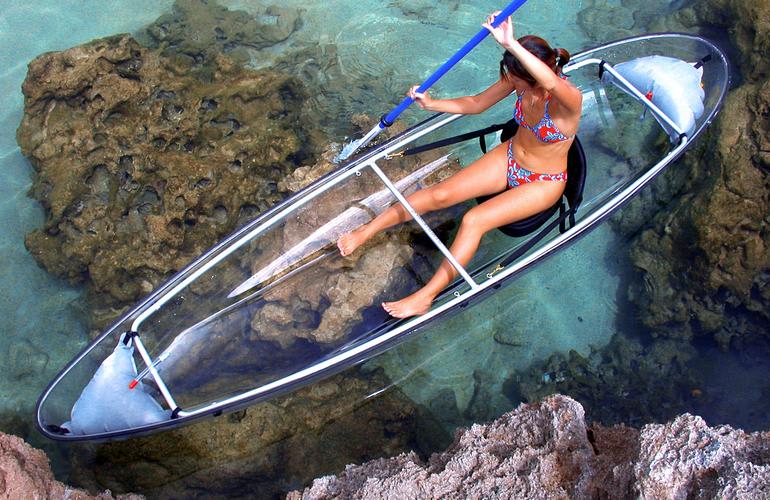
column 545, row 450
column 260, row 452
column 26, row 473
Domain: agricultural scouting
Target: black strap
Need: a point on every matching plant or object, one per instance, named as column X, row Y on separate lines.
column 454, row 140
column 130, row 334
column 601, row 68
column 702, row 61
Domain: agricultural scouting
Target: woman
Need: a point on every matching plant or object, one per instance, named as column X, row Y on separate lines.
column 529, row 172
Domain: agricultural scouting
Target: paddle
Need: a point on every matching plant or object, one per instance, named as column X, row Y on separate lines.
column 387, row 120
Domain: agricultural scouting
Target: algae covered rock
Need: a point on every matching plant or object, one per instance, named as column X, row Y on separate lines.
column 709, row 253
column 141, row 166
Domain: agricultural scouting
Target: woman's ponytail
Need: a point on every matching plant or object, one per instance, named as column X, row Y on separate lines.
column 562, row 58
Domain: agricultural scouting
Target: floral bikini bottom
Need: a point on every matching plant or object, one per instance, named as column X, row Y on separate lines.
column 518, row 175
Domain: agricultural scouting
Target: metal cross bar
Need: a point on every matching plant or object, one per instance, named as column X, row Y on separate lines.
column 409, row 208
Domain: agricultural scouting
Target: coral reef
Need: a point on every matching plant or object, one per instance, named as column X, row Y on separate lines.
column 545, row 450
column 265, row 450
column 26, row 473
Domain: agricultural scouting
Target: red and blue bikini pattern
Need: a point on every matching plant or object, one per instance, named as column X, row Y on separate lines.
column 518, row 175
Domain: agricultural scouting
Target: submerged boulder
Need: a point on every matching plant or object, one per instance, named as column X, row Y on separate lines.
column 141, row 165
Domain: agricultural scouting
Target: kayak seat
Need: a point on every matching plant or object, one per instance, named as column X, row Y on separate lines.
column 573, row 192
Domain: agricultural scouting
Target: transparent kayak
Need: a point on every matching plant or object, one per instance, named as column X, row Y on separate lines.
column 274, row 307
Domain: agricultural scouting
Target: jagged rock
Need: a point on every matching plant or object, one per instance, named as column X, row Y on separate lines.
column 26, row 473
column 535, row 451
column 141, row 167
column 262, row 451
column 688, row 459
column 544, row 450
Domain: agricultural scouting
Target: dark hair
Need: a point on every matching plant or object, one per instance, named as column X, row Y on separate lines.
column 553, row 58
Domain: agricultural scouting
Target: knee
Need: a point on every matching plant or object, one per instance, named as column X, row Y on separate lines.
column 474, row 221
column 441, row 196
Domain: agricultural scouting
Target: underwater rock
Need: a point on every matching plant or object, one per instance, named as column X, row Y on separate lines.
column 198, row 30
column 545, row 450
column 141, row 166
column 705, row 261
column 603, row 21
column 699, row 235
column 26, row 473
column 621, row 382
column 746, row 22
column 339, row 298
column 265, row 450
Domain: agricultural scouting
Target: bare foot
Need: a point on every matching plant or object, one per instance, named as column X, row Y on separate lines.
column 413, row 305
column 349, row 242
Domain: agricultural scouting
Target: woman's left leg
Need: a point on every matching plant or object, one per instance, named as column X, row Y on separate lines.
column 507, row 207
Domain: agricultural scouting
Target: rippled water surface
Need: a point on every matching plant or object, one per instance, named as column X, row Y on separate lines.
column 572, row 302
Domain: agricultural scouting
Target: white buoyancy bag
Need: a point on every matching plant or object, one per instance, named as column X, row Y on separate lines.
column 673, row 85
column 107, row 404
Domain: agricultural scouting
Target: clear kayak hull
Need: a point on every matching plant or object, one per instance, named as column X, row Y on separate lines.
column 273, row 307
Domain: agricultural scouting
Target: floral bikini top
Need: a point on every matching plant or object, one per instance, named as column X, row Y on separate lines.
column 545, row 130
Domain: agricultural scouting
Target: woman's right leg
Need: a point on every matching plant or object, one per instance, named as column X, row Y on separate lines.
column 485, row 176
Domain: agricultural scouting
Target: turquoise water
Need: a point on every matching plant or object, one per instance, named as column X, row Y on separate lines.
column 397, row 42
column 558, row 307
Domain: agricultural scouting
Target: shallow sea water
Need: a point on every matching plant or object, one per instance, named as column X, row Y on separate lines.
column 557, row 307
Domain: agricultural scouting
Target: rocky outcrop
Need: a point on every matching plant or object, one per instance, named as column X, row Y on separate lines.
column 26, row 473
column 545, row 450
column 535, row 450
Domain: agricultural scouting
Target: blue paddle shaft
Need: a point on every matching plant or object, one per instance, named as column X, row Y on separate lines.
column 510, row 9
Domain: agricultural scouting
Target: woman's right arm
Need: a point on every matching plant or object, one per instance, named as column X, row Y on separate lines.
column 468, row 105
